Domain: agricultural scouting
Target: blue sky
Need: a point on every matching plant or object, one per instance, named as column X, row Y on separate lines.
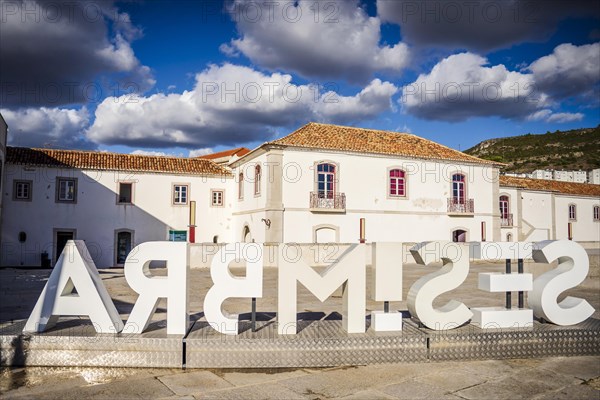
column 191, row 77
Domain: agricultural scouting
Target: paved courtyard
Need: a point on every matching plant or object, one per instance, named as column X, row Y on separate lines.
column 547, row 378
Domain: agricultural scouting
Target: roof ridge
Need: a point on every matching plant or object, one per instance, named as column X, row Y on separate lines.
column 107, row 153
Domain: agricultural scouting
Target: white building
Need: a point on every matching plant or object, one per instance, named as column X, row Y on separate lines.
column 594, row 177
column 533, row 210
column 570, row 176
column 318, row 182
column 542, row 174
column 314, row 185
column 112, row 201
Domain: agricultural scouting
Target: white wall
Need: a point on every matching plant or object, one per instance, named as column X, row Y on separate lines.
column 96, row 215
column 585, row 229
column 363, row 178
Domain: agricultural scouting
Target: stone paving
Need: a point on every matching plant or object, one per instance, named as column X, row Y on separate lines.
column 548, row 378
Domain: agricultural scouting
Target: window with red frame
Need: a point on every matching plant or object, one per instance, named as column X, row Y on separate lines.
column 397, row 186
column 458, row 188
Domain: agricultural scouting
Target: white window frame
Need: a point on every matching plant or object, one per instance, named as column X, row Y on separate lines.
column 119, row 192
column 212, row 197
column 59, row 181
column 176, row 199
column 25, row 183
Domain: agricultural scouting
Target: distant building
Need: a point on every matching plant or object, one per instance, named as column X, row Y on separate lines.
column 516, row 175
column 594, row 176
column 542, row 174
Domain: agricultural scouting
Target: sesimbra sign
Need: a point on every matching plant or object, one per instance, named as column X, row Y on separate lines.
column 75, row 270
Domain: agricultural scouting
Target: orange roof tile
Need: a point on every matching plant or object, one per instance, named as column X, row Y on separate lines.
column 360, row 140
column 239, row 151
column 585, row 189
column 96, row 160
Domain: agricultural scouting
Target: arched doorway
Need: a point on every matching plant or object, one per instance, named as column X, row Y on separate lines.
column 509, row 237
column 459, row 236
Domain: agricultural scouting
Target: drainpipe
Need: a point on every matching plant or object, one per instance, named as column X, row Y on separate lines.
column 192, row 224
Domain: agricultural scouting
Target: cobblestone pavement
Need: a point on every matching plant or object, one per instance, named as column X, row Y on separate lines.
column 547, row 378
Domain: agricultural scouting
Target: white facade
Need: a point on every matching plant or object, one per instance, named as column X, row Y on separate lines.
column 544, row 215
column 362, row 179
column 542, row 174
column 276, row 193
column 594, row 177
column 96, row 217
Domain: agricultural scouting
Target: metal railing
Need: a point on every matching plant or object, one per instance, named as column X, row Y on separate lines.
column 461, row 206
column 506, row 220
column 327, row 201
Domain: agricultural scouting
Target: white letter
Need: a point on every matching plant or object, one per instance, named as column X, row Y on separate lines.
column 74, row 270
column 227, row 285
column 348, row 270
column 386, row 270
column 452, row 274
column 573, row 266
column 173, row 287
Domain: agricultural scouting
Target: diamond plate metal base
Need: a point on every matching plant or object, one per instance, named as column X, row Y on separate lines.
column 321, row 343
column 74, row 342
column 317, row 344
column 541, row 340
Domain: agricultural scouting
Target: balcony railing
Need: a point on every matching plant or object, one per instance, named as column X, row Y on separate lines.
column 461, row 206
column 506, row 220
column 320, row 201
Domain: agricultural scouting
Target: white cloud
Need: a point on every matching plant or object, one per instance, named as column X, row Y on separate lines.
column 149, row 153
column 200, row 152
column 565, row 117
column 569, row 70
column 230, row 105
column 47, row 127
column 465, row 85
column 314, row 38
column 552, row 117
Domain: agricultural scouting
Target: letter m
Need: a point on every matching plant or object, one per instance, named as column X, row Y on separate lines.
column 348, row 271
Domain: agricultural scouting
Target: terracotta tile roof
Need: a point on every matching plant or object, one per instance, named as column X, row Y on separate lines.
column 334, row 137
column 585, row 189
column 96, row 160
column 240, row 151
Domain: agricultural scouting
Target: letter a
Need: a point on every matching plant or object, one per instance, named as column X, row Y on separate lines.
column 75, row 270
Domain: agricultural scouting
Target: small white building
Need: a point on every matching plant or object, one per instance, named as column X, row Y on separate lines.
column 542, row 174
column 594, row 176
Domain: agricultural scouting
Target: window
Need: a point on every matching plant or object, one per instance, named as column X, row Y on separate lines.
column 596, row 213
column 572, row 212
column 180, row 194
column 241, row 186
column 22, row 190
column 397, row 183
column 504, row 207
column 125, row 193
column 458, row 189
column 217, row 198
column 257, row 179
column 66, row 190
column 326, row 181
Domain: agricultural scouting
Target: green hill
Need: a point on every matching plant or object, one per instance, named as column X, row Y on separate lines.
column 571, row 150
